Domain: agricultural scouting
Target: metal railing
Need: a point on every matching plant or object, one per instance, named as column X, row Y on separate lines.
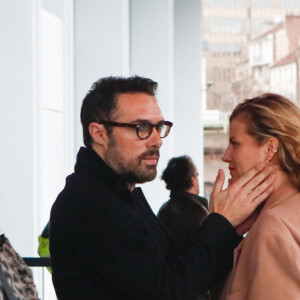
column 37, row 261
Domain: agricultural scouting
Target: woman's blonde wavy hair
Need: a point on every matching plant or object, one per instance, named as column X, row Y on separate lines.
column 272, row 115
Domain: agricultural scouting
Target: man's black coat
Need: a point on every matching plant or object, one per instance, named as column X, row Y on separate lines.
column 106, row 243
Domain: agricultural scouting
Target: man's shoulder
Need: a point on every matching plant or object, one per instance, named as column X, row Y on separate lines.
column 81, row 184
column 165, row 205
column 83, row 192
column 189, row 203
column 190, row 212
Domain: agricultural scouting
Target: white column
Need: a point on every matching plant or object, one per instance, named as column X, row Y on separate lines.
column 151, row 55
column 54, row 109
column 166, row 46
column 188, row 136
column 101, row 46
column 17, row 126
column 36, row 116
column 138, row 37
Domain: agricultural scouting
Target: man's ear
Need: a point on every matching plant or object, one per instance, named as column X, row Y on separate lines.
column 194, row 189
column 272, row 147
column 194, row 179
column 98, row 134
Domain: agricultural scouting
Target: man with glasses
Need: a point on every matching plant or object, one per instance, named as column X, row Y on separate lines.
column 105, row 241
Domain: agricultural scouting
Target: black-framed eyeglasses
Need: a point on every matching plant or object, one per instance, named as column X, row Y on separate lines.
column 144, row 129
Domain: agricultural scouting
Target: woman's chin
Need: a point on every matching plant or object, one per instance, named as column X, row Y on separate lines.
column 232, row 180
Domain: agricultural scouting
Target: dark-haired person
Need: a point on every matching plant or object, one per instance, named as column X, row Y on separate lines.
column 185, row 210
column 116, row 246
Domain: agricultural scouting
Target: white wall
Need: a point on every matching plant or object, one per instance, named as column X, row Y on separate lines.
column 188, row 130
column 151, row 55
column 55, row 110
column 17, row 130
column 39, row 126
column 284, row 80
column 36, row 120
column 138, row 37
column 261, row 52
column 101, row 46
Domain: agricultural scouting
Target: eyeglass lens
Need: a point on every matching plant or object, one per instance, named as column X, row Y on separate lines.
column 145, row 129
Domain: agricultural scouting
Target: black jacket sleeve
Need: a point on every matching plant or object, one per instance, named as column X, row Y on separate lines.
column 100, row 241
column 131, row 262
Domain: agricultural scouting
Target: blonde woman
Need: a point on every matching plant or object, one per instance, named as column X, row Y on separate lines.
column 267, row 262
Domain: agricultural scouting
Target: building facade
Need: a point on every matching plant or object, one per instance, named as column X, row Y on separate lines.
column 247, row 46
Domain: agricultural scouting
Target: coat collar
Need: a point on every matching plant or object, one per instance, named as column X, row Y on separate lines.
column 283, row 193
column 88, row 161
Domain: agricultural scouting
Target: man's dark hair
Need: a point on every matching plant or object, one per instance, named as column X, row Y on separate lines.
column 178, row 173
column 101, row 101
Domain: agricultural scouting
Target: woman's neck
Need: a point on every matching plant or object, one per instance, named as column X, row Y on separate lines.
column 283, row 186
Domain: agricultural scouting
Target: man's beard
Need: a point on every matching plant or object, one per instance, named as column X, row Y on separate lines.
column 131, row 171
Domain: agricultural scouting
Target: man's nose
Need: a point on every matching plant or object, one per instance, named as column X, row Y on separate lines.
column 154, row 139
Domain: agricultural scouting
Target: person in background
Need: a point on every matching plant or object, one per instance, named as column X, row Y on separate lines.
column 185, row 211
column 117, row 248
column 267, row 262
column 43, row 248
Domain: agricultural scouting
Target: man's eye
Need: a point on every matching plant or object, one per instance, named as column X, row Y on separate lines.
column 144, row 126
